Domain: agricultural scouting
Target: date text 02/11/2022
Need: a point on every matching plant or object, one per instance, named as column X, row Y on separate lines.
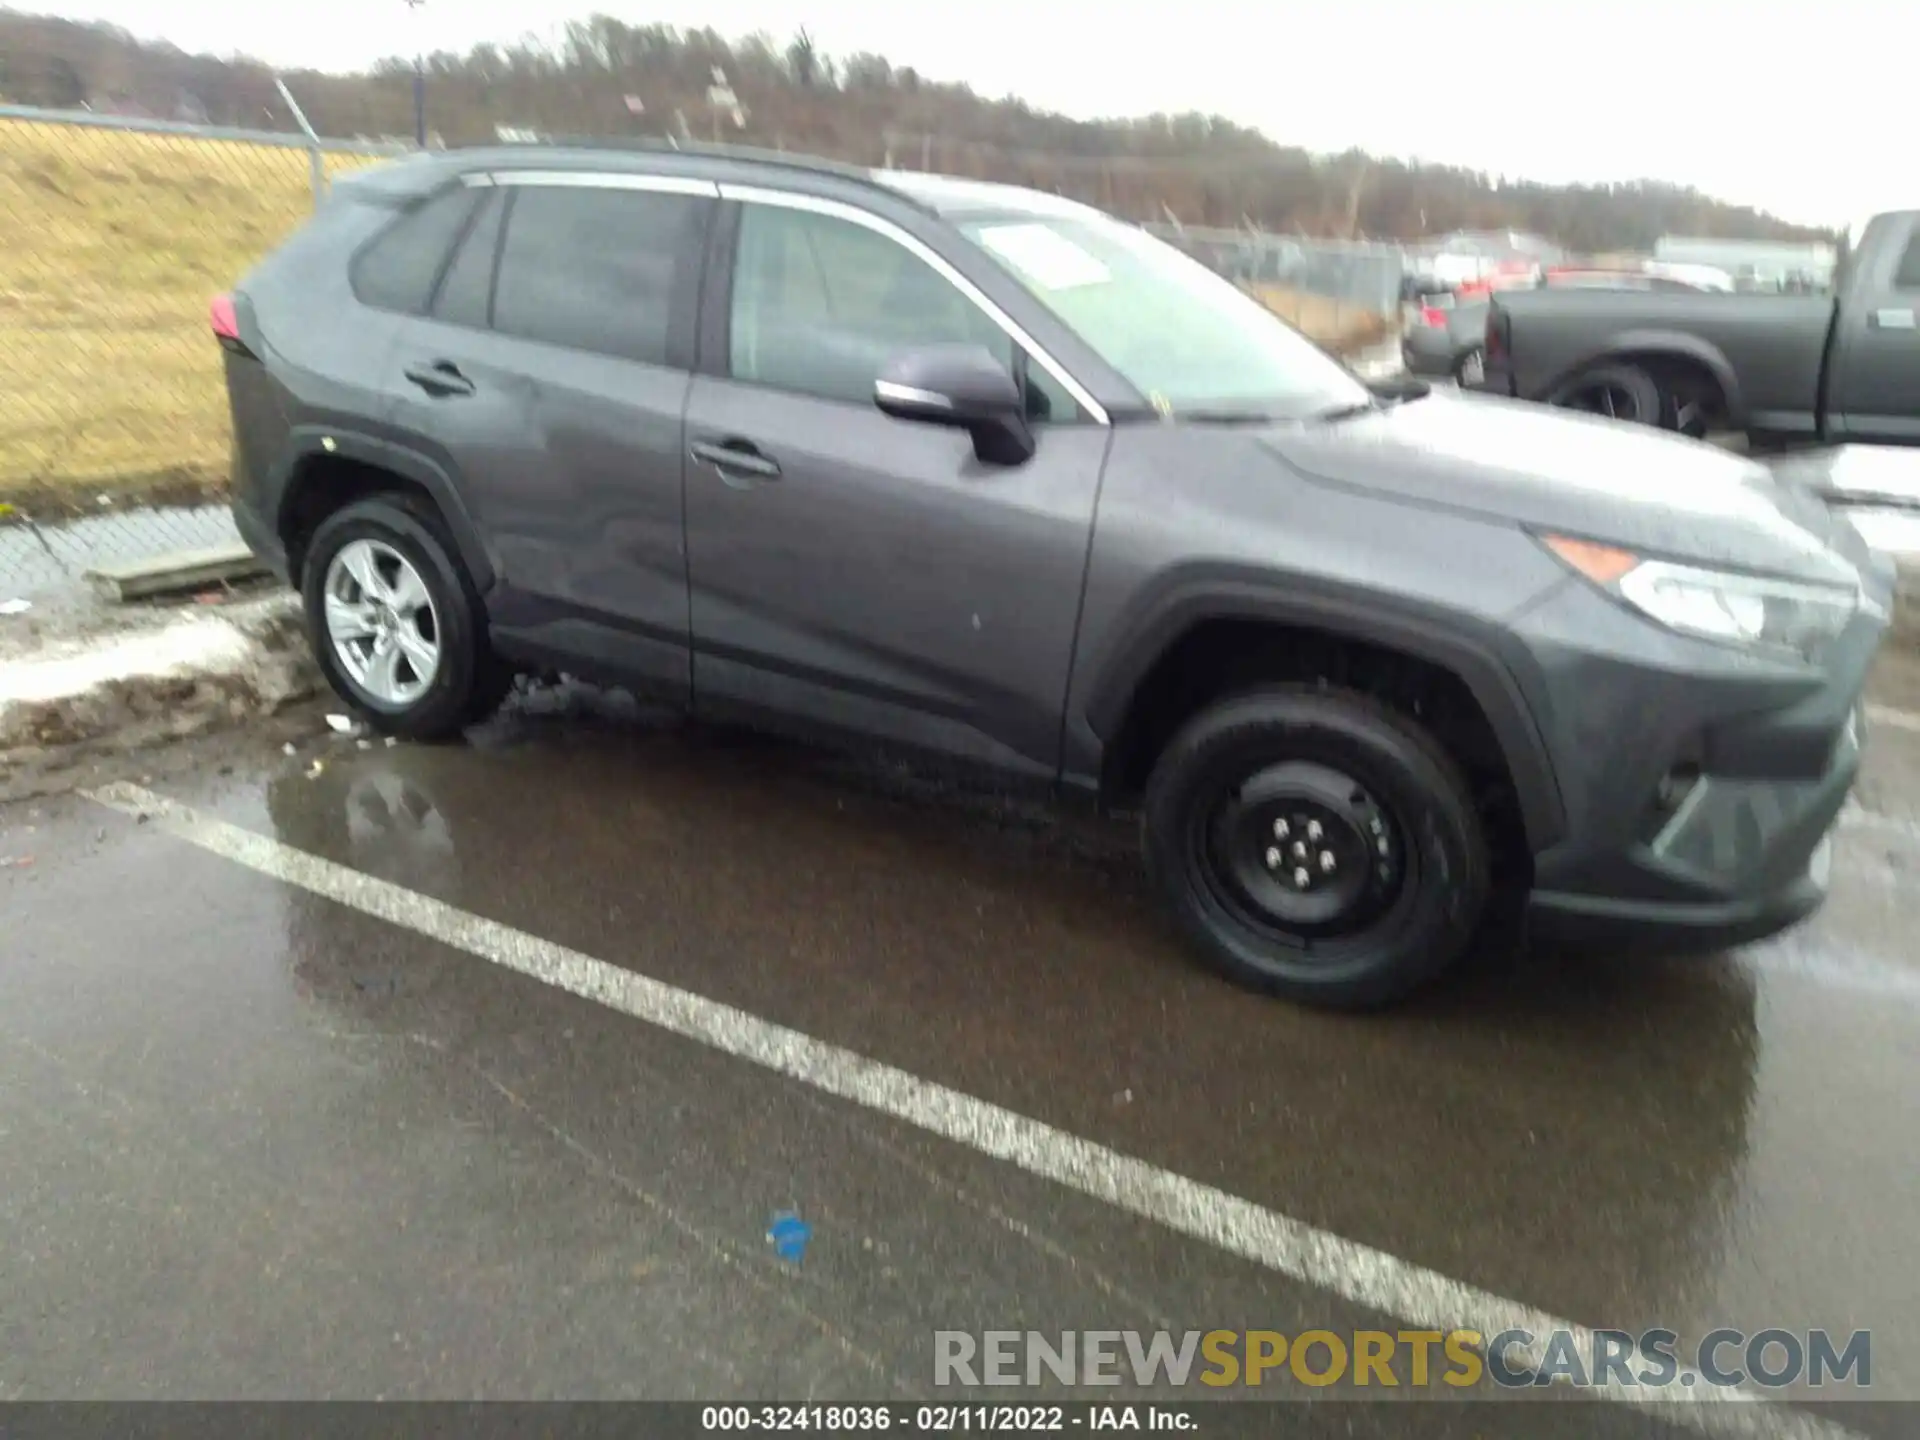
column 942, row 1419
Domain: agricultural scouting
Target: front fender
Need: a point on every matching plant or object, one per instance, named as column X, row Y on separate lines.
column 1461, row 645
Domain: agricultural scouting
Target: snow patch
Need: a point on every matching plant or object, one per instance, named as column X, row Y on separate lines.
column 200, row 646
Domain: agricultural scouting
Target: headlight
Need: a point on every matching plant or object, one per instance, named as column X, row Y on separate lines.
column 1779, row 615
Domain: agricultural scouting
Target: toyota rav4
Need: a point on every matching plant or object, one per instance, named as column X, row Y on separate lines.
column 985, row 473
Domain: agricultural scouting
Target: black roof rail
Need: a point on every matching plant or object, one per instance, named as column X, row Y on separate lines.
column 720, row 150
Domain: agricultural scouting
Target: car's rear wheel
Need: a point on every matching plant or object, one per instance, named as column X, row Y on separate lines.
column 1471, row 369
column 395, row 623
column 1616, row 392
column 1316, row 845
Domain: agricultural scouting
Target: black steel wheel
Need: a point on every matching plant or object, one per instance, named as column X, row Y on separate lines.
column 1316, row 845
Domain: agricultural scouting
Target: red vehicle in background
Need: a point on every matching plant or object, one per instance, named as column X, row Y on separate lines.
column 1507, row 275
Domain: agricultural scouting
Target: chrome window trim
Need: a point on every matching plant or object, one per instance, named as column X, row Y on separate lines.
column 597, row 180
column 838, row 209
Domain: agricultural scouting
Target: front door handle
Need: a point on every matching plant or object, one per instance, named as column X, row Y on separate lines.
column 442, row 377
column 735, row 458
column 1892, row 320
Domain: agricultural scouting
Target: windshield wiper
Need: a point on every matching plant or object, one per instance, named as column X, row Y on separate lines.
column 1256, row 415
column 1347, row 412
column 1227, row 415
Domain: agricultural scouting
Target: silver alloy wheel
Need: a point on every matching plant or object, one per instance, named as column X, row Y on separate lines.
column 381, row 620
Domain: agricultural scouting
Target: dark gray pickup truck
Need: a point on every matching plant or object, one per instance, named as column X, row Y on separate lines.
column 1836, row 367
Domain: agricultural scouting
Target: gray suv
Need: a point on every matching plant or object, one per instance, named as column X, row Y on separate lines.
column 989, row 475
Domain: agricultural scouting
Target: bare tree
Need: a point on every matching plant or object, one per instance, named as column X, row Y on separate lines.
column 803, row 59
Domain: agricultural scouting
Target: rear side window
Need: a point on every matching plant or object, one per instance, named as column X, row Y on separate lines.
column 1907, row 277
column 466, row 290
column 597, row 269
column 397, row 271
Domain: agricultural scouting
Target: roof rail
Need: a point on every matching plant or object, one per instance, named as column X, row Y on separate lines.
column 720, row 150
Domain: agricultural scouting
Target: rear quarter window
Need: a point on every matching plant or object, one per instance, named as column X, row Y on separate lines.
column 397, row 271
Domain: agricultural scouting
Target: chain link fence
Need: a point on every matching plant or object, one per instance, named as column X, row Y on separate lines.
column 1359, row 274
column 115, row 234
column 1346, row 294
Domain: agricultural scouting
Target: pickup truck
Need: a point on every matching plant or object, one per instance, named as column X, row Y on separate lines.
column 1784, row 369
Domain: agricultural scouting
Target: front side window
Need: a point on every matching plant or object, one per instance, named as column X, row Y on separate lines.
column 821, row 303
column 1189, row 340
column 597, row 269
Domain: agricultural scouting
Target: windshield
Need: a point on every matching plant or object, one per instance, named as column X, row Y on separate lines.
column 1191, row 341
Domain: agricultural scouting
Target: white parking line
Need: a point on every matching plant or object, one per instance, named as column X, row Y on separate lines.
column 1358, row 1274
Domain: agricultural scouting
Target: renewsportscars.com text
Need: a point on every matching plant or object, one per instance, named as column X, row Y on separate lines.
column 1764, row 1359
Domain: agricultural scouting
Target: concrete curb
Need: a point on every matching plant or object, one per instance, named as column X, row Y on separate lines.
column 173, row 574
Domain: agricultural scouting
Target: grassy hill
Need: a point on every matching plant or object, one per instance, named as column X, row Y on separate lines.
column 111, row 246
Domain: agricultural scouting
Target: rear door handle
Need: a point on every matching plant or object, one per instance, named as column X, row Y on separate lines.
column 1892, row 320
column 442, row 377
column 734, row 458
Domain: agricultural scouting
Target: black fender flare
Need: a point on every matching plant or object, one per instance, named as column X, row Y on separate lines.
column 1452, row 645
column 1671, row 344
column 404, row 461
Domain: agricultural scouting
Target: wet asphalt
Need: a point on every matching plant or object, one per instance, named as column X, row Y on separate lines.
column 260, row 1145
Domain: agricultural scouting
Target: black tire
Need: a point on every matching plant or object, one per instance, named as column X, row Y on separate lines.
column 1460, row 366
column 1631, row 395
column 1386, row 944
column 470, row 681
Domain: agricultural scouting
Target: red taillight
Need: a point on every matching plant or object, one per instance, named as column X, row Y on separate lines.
column 1432, row 318
column 226, row 327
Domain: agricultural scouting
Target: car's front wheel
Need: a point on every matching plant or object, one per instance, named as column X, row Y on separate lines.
column 1316, row 845
column 395, row 624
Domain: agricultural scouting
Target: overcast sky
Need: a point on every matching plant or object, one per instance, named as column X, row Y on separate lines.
column 1799, row 108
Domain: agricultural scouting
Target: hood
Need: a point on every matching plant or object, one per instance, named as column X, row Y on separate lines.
column 1547, row 469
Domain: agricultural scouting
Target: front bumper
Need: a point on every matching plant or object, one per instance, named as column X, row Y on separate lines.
column 1701, row 788
column 1787, row 823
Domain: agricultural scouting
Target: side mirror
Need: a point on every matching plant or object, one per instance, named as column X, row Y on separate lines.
column 962, row 387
